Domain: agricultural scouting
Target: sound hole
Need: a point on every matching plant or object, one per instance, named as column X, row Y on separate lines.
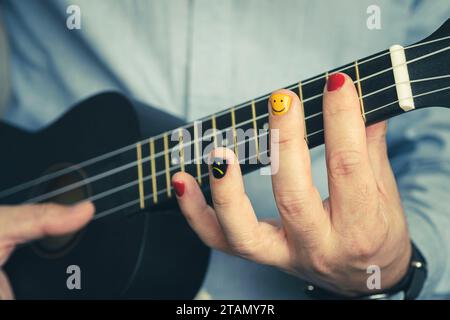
column 54, row 247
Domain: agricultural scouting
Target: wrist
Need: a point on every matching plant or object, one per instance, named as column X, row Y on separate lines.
column 380, row 277
column 395, row 275
column 410, row 281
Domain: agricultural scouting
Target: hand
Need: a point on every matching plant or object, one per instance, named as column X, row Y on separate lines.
column 19, row 224
column 329, row 243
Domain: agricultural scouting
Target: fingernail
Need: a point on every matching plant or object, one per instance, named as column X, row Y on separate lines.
column 280, row 103
column 219, row 168
column 335, row 81
column 179, row 188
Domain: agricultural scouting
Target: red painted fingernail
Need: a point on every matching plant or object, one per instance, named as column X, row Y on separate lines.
column 335, row 81
column 179, row 188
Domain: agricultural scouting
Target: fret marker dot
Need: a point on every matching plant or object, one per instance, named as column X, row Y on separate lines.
column 174, row 161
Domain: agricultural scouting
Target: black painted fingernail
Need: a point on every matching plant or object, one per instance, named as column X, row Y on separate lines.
column 219, row 168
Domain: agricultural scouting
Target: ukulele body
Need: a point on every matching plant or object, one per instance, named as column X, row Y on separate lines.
column 150, row 253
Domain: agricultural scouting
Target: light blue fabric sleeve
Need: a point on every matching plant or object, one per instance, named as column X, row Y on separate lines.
column 419, row 147
column 420, row 156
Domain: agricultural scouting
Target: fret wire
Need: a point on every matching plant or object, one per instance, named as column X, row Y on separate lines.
column 118, row 169
column 181, row 145
column 133, row 202
column 152, row 165
column 104, row 213
column 320, row 77
column 197, row 154
column 77, row 184
column 255, row 129
column 317, row 131
column 140, row 175
column 109, row 154
column 326, row 74
column 260, row 153
column 371, row 111
column 360, row 94
column 214, row 128
column 167, row 165
column 94, row 178
column 245, row 104
column 85, row 163
column 233, row 125
column 300, row 95
column 321, row 130
column 132, row 183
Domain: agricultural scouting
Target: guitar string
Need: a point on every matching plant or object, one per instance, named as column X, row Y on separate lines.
column 113, row 171
column 132, row 164
column 85, row 163
column 136, row 201
column 108, row 212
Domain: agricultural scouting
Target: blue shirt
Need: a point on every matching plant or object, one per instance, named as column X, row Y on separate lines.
column 195, row 57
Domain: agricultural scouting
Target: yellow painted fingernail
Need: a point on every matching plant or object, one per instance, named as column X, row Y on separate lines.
column 280, row 103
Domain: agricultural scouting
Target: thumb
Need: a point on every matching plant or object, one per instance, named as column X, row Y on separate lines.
column 28, row 222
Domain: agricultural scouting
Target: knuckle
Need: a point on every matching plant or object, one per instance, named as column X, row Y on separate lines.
column 344, row 162
column 290, row 202
column 286, row 140
column 41, row 213
column 222, row 200
column 364, row 252
column 21, row 217
column 244, row 248
column 44, row 209
column 363, row 248
column 339, row 107
column 319, row 265
column 283, row 142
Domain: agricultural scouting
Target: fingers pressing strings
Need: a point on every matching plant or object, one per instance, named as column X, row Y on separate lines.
column 231, row 224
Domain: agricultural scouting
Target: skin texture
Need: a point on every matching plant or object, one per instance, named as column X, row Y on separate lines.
column 329, row 243
column 332, row 242
column 20, row 224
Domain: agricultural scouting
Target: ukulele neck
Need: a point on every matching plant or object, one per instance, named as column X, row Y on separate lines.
column 388, row 83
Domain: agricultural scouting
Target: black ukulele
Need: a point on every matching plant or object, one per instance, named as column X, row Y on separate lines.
column 122, row 156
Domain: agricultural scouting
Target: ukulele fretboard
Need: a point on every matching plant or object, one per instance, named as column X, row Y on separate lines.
column 245, row 129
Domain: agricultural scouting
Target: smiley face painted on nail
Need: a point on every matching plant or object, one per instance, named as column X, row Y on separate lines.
column 280, row 103
column 219, row 168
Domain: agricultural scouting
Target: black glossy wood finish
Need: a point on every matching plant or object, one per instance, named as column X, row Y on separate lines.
column 132, row 254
